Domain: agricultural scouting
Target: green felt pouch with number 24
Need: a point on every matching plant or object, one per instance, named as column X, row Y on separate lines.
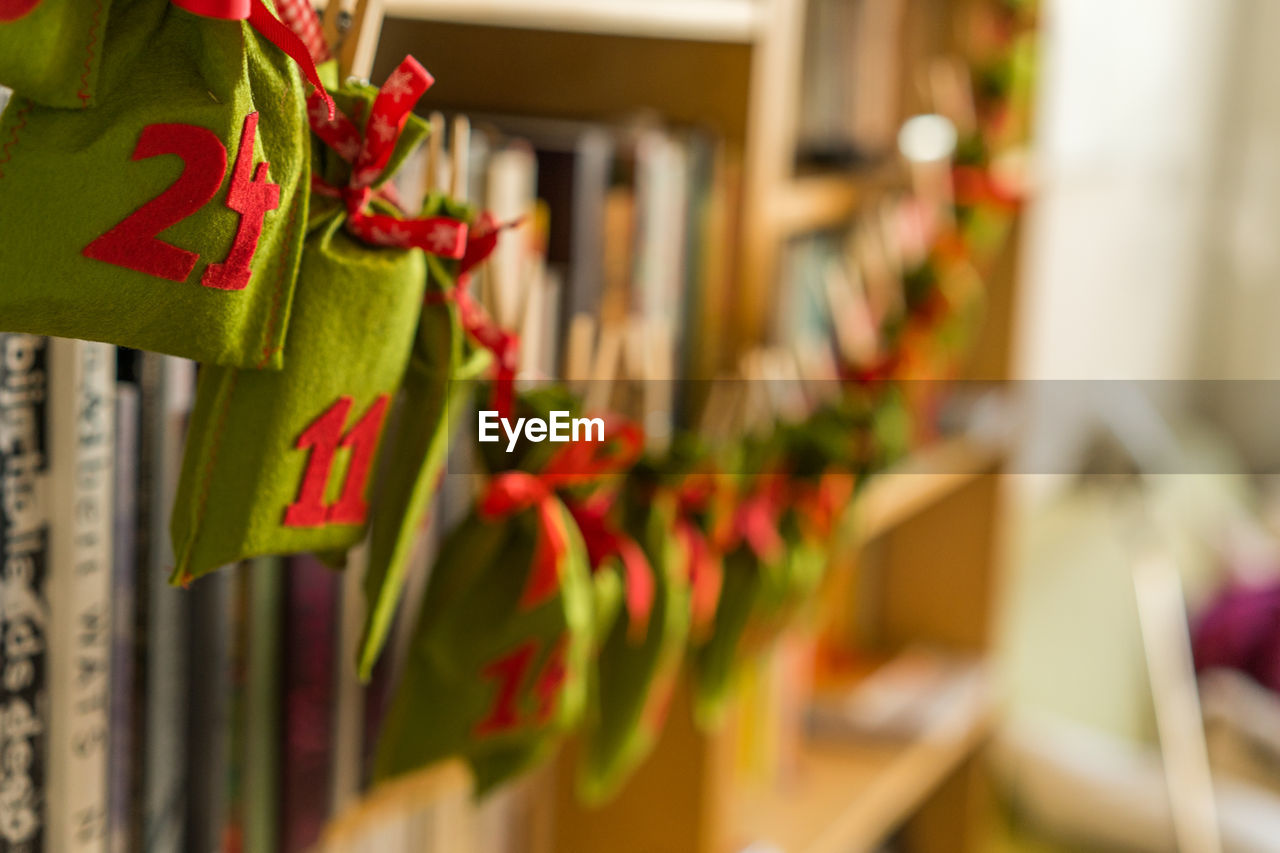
column 168, row 212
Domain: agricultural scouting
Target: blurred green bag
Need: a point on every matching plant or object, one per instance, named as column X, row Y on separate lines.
column 280, row 462
column 497, row 666
column 168, row 213
column 755, row 568
column 640, row 659
column 51, row 50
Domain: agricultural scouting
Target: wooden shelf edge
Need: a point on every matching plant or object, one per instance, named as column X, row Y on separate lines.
column 923, row 479
column 683, row 20
column 903, row 788
column 866, row 812
column 829, row 200
column 398, row 799
column 814, row 203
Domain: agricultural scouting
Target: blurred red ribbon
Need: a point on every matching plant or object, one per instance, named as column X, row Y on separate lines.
column 510, row 492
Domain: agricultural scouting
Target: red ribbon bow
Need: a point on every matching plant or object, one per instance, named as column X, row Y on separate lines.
column 270, row 28
column 369, row 153
column 702, row 561
column 512, row 492
column 755, row 520
column 603, row 541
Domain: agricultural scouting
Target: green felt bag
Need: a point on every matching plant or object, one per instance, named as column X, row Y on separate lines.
column 714, row 661
column 498, row 664
column 494, row 675
column 168, row 214
column 280, row 461
column 437, row 388
column 51, row 50
column 634, row 676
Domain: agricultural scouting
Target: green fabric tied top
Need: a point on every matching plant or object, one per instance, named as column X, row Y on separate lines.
column 134, row 210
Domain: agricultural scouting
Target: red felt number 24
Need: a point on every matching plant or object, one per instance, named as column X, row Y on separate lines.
column 133, row 243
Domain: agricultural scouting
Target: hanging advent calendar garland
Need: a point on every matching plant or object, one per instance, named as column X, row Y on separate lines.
column 217, row 206
column 263, row 472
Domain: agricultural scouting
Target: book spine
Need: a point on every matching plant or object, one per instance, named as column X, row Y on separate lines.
column 81, row 418
column 121, row 774
column 310, row 669
column 167, row 389
column 24, row 618
column 211, row 605
column 263, row 727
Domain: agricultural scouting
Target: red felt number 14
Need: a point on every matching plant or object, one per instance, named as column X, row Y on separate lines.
column 133, row 243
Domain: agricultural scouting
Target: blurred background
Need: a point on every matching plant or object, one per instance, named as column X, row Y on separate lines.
column 1050, row 229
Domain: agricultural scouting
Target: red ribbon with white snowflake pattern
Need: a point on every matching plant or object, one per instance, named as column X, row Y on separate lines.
column 368, row 153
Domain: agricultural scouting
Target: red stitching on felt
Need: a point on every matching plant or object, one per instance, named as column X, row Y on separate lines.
column 83, row 94
column 7, row 152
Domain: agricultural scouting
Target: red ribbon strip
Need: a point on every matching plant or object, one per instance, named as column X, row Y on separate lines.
column 515, row 491
column 821, row 503
column 369, row 153
column 270, row 28
column 604, row 540
column 702, row 561
column 755, row 520
column 301, row 17
column 504, row 345
column 476, row 322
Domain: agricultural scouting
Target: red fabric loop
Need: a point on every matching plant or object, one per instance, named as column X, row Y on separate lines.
column 584, row 461
column 603, row 541
column 512, row 492
column 504, row 345
column 705, row 574
column 368, row 152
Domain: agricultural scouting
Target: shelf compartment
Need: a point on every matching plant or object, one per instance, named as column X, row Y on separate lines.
column 851, row 796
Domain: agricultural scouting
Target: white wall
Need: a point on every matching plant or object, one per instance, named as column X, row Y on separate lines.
column 1127, row 129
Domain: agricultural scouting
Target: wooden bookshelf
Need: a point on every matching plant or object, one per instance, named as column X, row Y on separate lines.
column 919, row 482
column 851, row 796
column 925, row 557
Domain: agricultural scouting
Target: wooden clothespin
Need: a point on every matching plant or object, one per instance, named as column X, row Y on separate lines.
column 461, row 153
column 580, row 351
column 606, row 367
column 354, row 43
column 435, row 149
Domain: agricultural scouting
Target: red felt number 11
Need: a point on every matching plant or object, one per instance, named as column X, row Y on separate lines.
column 134, row 243
column 323, row 438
